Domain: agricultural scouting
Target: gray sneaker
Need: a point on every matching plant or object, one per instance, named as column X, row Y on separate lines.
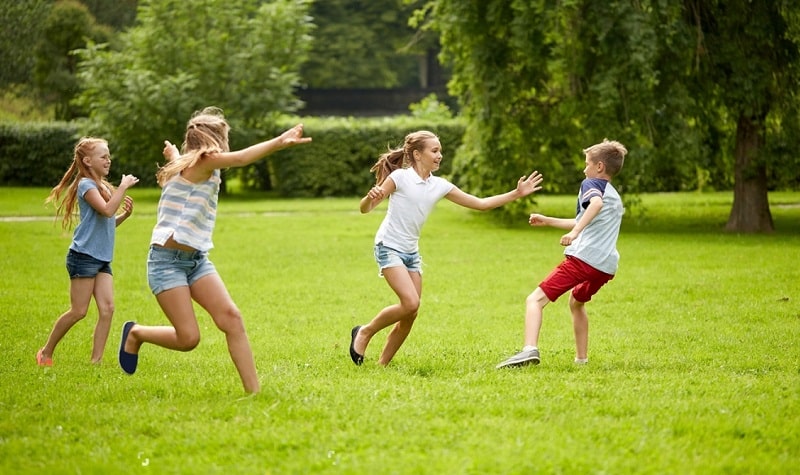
column 521, row 359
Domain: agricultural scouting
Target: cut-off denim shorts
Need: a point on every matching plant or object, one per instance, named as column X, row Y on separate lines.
column 388, row 257
column 170, row 268
column 81, row 265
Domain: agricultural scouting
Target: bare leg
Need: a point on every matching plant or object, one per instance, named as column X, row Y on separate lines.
column 211, row 294
column 408, row 287
column 80, row 294
column 534, row 305
column 104, row 298
column 580, row 325
column 183, row 335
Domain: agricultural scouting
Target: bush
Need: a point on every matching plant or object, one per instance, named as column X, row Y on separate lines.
column 36, row 154
column 337, row 161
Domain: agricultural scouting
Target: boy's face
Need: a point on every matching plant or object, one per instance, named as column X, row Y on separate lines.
column 593, row 168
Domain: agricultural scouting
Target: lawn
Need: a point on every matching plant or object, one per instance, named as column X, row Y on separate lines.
column 694, row 349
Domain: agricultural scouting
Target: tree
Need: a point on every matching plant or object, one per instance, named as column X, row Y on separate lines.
column 242, row 56
column 539, row 80
column 362, row 44
column 20, row 27
column 747, row 63
column 118, row 14
column 67, row 27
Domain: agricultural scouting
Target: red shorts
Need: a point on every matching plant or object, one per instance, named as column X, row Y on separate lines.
column 573, row 273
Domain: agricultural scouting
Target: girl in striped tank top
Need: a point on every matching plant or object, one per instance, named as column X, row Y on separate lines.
column 178, row 268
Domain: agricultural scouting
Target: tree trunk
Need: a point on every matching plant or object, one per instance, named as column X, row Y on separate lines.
column 750, row 212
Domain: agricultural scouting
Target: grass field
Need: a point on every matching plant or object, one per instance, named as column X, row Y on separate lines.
column 694, row 350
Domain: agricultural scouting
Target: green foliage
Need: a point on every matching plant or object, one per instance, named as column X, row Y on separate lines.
column 242, row 56
column 119, row 14
column 343, row 150
column 36, row 154
column 67, row 27
column 430, row 108
column 336, row 163
column 20, row 28
column 362, row 44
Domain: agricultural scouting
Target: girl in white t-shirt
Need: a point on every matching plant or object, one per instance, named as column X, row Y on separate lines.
column 405, row 175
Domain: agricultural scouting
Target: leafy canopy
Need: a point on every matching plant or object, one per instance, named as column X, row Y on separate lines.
column 240, row 55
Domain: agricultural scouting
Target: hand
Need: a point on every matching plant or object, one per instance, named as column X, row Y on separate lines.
column 567, row 239
column 537, row 220
column 293, row 136
column 376, row 193
column 526, row 186
column 170, row 151
column 128, row 181
column 127, row 206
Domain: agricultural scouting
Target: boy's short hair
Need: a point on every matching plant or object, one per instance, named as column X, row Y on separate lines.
column 610, row 152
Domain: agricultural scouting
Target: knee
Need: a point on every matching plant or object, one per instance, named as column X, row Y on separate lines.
column 188, row 341
column 75, row 314
column 411, row 307
column 575, row 304
column 230, row 320
column 536, row 299
column 105, row 310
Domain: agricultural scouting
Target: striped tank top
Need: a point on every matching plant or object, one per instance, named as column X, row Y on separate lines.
column 187, row 211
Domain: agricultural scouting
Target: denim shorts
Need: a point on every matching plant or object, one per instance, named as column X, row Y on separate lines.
column 388, row 257
column 81, row 265
column 170, row 268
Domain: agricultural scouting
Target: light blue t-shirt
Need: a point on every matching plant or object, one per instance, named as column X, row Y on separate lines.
column 409, row 207
column 95, row 233
column 596, row 245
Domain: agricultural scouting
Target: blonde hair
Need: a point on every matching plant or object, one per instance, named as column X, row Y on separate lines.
column 68, row 186
column 608, row 152
column 206, row 133
column 400, row 157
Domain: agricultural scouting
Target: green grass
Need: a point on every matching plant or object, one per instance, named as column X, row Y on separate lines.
column 694, row 356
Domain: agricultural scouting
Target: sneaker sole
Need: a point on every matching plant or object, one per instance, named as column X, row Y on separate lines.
column 515, row 364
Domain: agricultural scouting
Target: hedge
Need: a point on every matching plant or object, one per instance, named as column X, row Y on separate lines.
column 335, row 163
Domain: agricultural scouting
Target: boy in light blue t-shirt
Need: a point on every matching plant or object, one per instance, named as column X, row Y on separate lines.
column 591, row 254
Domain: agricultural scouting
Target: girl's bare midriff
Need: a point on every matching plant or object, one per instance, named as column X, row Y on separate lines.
column 173, row 244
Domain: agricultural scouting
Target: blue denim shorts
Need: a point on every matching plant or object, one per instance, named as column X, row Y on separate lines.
column 169, row 268
column 388, row 257
column 81, row 265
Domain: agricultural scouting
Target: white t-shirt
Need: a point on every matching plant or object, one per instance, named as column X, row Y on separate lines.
column 596, row 245
column 409, row 207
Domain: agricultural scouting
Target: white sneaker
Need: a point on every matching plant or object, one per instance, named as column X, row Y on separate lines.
column 521, row 359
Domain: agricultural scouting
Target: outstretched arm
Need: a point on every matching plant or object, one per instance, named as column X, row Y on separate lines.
column 246, row 156
column 525, row 186
column 542, row 220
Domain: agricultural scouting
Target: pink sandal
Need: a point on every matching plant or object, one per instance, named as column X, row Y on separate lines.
column 42, row 360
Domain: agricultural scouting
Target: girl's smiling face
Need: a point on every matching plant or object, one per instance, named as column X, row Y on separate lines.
column 429, row 158
column 98, row 159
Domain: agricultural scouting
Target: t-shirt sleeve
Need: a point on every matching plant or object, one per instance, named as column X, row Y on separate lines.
column 591, row 188
column 85, row 185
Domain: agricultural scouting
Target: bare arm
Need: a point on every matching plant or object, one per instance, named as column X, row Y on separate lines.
column 127, row 209
column 170, row 151
column 595, row 205
column 246, row 156
column 376, row 194
column 109, row 208
column 525, row 186
column 542, row 220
